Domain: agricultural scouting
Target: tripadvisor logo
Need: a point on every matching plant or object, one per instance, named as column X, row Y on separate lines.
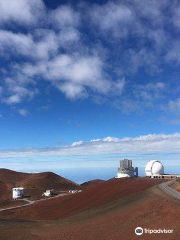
column 139, row 231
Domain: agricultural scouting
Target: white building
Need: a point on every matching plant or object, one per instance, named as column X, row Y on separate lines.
column 154, row 168
column 48, row 193
column 17, row 193
column 75, row 191
column 126, row 169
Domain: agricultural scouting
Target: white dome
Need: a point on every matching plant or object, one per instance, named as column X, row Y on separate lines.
column 154, row 168
column 122, row 175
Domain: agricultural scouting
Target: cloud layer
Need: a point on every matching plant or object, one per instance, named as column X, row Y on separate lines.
column 145, row 144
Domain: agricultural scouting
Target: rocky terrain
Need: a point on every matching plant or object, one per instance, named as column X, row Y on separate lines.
column 34, row 184
column 106, row 210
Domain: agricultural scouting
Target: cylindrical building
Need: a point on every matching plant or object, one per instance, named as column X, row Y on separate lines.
column 17, row 193
column 126, row 169
column 127, row 174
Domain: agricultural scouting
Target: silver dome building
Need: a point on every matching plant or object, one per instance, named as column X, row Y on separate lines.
column 154, row 168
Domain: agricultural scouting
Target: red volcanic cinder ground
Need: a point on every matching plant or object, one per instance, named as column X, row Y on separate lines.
column 91, row 183
column 34, row 184
column 103, row 193
column 176, row 185
column 108, row 210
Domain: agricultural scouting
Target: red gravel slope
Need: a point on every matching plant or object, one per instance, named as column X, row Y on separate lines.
column 12, row 177
column 176, row 185
column 34, row 183
column 115, row 220
column 5, row 191
column 91, row 183
column 103, row 193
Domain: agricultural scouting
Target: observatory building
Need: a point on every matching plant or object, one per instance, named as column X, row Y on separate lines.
column 126, row 169
column 154, row 168
column 49, row 193
column 17, row 193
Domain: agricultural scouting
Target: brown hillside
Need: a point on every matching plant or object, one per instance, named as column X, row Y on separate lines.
column 5, row 191
column 48, row 180
column 12, row 177
column 104, row 193
column 151, row 209
column 34, row 183
column 176, row 185
column 91, row 183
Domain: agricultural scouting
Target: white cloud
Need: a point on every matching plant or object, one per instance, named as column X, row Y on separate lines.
column 23, row 112
column 113, row 18
column 142, row 97
column 72, row 91
column 110, row 139
column 145, row 144
column 1, row 90
column 75, row 144
column 151, row 91
column 141, row 19
column 17, row 89
column 143, row 58
column 75, row 49
column 119, row 86
column 139, row 32
column 68, row 36
column 74, row 74
column 45, row 45
column 175, row 121
column 152, row 10
column 176, row 17
column 13, row 99
column 174, row 105
column 23, row 12
column 173, row 55
column 20, row 43
column 64, row 17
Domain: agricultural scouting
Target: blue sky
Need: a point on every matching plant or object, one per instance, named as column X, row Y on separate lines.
column 86, row 83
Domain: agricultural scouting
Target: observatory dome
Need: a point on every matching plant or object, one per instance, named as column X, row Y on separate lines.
column 154, row 168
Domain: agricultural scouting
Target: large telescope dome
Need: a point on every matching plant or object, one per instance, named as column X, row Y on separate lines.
column 154, row 168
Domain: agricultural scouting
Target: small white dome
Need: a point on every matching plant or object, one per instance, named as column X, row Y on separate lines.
column 154, row 167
